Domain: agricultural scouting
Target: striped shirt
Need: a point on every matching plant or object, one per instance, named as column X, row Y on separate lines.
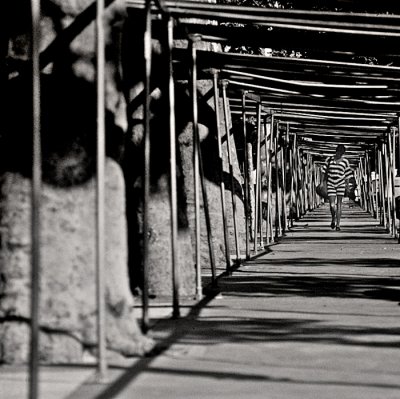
column 338, row 170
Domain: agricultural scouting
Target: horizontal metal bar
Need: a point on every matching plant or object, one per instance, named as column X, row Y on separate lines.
column 253, row 86
column 303, row 83
column 366, row 24
column 255, row 11
column 297, row 61
column 325, row 110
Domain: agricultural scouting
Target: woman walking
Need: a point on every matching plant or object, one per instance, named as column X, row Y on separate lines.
column 337, row 171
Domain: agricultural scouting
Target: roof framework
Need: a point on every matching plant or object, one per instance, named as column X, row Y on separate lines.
column 326, row 98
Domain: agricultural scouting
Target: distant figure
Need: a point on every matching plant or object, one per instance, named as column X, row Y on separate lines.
column 338, row 173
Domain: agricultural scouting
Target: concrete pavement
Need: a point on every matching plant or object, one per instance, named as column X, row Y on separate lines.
column 316, row 317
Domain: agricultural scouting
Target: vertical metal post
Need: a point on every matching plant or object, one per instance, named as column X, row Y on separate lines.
column 382, row 190
column 284, row 160
column 267, row 129
column 258, row 173
column 387, row 188
column 362, row 179
column 228, row 141
column 221, row 170
column 35, row 202
column 398, row 146
column 260, row 215
column 296, row 175
column 282, row 193
column 278, row 224
column 393, row 174
column 269, row 195
column 100, row 194
column 394, row 151
column 376, row 182
column 306, row 185
column 361, row 185
column 207, row 217
column 196, row 170
column 146, row 165
column 291, row 201
column 358, row 182
column 173, row 182
column 202, row 178
column 246, row 177
column 392, row 182
column 369, row 183
column 388, row 185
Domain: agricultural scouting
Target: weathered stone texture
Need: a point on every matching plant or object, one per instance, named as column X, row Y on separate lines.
column 160, row 258
column 212, row 179
column 67, row 280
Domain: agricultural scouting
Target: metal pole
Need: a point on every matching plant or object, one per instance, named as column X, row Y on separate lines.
column 270, row 226
column 369, row 183
column 258, row 172
column 260, row 215
column 221, row 170
column 367, row 187
column 362, row 179
column 267, row 129
column 376, row 181
column 173, row 182
column 291, row 168
column 382, row 214
column 391, row 177
column 387, row 189
column 100, row 195
column 393, row 174
column 146, row 166
column 196, row 170
column 398, row 144
column 394, row 151
column 282, row 193
column 306, row 185
column 35, row 202
column 225, row 100
column 358, row 182
column 246, row 177
column 278, row 187
column 284, row 160
column 296, row 176
column 207, row 217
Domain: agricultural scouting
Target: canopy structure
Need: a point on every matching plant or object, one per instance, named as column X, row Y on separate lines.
column 324, row 95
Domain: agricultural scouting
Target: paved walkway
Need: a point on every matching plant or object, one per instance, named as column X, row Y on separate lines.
column 316, row 317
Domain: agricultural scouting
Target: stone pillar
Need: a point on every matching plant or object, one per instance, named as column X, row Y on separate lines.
column 207, row 131
column 67, row 280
